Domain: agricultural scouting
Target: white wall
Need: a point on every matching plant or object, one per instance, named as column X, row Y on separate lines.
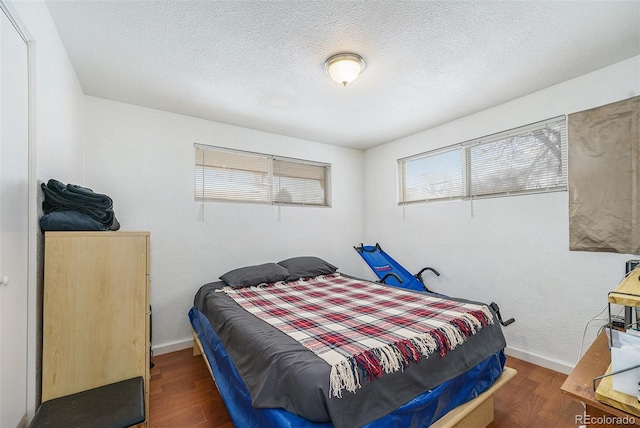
column 512, row 250
column 144, row 158
column 59, row 109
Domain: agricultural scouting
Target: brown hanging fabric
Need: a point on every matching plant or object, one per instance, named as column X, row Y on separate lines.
column 604, row 178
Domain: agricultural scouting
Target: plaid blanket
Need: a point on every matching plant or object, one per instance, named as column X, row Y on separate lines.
column 360, row 327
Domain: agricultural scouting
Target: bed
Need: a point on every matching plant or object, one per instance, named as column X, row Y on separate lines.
column 299, row 344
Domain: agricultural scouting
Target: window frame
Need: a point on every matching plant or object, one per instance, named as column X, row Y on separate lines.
column 467, row 167
column 272, row 179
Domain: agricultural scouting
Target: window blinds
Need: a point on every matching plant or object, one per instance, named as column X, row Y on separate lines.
column 434, row 176
column 233, row 175
column 299, row 182
column 532, row 158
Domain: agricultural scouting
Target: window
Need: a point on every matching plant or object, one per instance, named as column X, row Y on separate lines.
column 432, row 176
column 234, row 175
column 528, row 159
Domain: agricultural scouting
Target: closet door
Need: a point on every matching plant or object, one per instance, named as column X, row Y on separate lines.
column 14, row 173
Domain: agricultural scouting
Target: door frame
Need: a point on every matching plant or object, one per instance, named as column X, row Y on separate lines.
column 34, row 270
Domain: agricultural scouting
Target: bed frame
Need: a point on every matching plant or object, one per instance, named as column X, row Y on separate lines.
column 477, row 413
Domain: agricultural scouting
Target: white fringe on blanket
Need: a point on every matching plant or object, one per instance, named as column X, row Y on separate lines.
column 344, row 374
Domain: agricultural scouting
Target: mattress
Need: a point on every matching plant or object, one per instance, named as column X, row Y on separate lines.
column 270, row 375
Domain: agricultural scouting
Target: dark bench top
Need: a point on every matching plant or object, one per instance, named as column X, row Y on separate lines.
column 117, row 405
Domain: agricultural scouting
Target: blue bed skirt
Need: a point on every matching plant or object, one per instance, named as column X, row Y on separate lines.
column 421, row 411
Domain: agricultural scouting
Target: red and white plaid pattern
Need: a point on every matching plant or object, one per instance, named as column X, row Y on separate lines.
column 351, row 323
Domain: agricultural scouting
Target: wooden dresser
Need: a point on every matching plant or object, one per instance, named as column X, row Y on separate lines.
column 96, row 314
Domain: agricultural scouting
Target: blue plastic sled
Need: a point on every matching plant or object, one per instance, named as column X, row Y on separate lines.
column 391, row 272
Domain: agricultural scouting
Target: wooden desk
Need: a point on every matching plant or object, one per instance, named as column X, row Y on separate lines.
column 579, row 385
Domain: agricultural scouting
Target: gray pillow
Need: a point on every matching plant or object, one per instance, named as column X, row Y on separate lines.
column 306, row 267
column 254, row 275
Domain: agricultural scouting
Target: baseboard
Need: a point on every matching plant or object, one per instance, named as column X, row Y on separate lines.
column 539, row 360
column 23, row 422
column 177, row 345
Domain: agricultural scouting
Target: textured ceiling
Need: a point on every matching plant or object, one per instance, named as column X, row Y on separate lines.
column 259, row 64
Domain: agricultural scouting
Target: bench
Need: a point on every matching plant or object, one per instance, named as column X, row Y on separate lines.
column 117, row 405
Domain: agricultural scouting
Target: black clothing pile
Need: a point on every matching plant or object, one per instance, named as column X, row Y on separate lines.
column 72, row 207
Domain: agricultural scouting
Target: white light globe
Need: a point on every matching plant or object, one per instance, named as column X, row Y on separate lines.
column 344, row 68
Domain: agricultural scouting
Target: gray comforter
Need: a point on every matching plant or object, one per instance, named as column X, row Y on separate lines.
column 281, row 373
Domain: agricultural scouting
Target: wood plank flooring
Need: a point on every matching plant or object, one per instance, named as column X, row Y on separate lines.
column 182, row 395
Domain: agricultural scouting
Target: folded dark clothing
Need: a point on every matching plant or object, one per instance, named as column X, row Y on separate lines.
column 88, row 195
column 69, row 220
column 59, row 195
column 71, row 197
column 106, row 217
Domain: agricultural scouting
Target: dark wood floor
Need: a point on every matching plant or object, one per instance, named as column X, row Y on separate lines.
column 182, row 395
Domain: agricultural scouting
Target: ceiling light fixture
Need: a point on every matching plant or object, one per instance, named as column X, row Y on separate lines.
column 344, row 67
